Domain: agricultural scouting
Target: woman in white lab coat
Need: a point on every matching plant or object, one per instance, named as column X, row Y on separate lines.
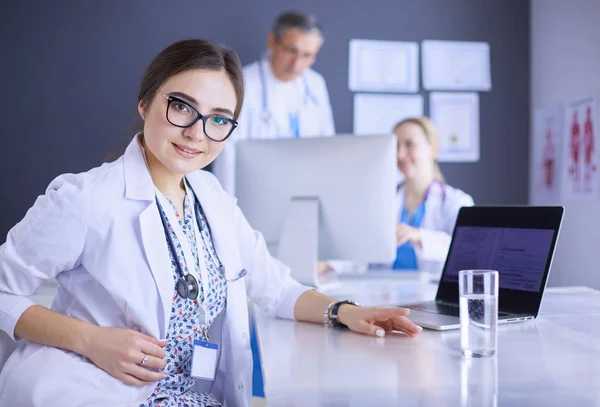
column 427, row 205
column 154, row 262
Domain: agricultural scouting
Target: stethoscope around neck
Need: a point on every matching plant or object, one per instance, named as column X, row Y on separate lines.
column 187, row 285
column 440, row 183
column 266, row 115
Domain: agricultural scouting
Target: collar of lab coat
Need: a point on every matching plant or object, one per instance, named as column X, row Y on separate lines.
column 435, row 198
column 218, row 208
column 138, row 181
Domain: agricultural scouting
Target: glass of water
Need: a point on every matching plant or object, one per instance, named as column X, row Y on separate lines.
column 478, row 295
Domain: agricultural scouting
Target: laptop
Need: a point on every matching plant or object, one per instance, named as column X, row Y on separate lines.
column 517, row 241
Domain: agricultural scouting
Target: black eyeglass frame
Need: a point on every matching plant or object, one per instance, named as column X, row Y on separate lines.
column 204, row 118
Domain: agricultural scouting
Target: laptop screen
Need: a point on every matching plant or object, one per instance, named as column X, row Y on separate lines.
column 519, row 255
column 517, row 241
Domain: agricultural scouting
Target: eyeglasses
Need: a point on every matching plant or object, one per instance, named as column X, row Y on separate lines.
column 296, row 53
column 182, row 114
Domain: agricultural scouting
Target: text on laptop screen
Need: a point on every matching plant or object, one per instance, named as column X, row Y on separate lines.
column 519, row 255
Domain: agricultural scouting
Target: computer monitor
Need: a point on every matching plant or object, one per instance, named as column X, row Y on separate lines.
column 320, row 198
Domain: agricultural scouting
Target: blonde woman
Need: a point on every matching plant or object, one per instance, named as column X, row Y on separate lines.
column 427, row 205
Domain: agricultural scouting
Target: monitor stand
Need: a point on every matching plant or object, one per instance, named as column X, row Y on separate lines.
column 299, row 242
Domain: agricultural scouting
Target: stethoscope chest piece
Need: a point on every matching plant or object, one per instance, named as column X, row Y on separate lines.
column 188, row 287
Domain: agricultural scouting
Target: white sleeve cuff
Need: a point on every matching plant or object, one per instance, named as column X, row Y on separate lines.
column 289, row 297
column 8, row 320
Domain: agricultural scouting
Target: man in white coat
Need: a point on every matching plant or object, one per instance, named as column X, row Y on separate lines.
column 284, row 98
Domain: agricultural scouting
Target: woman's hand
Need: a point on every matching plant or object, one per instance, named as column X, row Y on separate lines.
column 323, row 267
column 377, row 321
column 406, row 233
column 119, row 352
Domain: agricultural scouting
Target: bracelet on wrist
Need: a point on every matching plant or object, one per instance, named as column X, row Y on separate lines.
column 335, row 322
column 327, row 315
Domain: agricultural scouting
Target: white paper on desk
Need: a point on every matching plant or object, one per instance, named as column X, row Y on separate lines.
column 456, row 65
column 456, row 116
column 546, row 155
column 580, row 157
column 376, row 114
column 383, row 66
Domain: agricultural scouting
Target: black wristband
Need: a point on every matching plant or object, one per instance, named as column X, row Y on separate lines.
column 334, row 313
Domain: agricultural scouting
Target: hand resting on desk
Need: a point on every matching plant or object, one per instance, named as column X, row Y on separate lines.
column 377, row 321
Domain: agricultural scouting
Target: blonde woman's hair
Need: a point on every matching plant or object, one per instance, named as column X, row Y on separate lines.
column 432, row 136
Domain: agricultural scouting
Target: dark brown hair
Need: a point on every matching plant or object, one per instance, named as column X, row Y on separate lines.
column 192, row 54
column 183, row 56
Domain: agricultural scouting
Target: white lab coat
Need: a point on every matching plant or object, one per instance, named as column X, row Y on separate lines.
column 441, row 210
column 316, row 117
column 100, row 235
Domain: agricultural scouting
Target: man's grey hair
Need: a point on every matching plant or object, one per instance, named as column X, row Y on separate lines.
column 304, row 22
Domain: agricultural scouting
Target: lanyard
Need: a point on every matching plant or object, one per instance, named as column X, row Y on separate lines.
column 187, row 285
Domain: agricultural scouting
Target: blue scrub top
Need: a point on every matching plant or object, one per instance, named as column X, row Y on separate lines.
column 406, row 258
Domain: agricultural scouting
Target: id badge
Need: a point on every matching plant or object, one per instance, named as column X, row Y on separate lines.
column 204, row 360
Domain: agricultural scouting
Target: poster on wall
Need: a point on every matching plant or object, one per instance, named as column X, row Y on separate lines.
column 456, row 115
column 456, row 65
column 383, row 66
column 547, row 143
column 376, row 114
column 580, row 152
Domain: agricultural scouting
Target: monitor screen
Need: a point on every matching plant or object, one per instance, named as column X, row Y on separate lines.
column 315, row 196
column 519, row 255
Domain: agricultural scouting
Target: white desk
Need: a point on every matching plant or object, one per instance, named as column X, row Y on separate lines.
column 551, row 361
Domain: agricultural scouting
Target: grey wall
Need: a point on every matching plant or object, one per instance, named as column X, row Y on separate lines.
column 565, row 67
column 70, row 72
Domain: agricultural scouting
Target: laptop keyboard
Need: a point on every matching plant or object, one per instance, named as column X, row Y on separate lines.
column 445, row 309
column 436, row 308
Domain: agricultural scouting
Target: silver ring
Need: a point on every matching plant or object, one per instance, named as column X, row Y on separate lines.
column 144, row 361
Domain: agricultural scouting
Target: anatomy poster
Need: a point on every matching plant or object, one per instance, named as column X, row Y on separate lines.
column 580, row 153
column 547, row 147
